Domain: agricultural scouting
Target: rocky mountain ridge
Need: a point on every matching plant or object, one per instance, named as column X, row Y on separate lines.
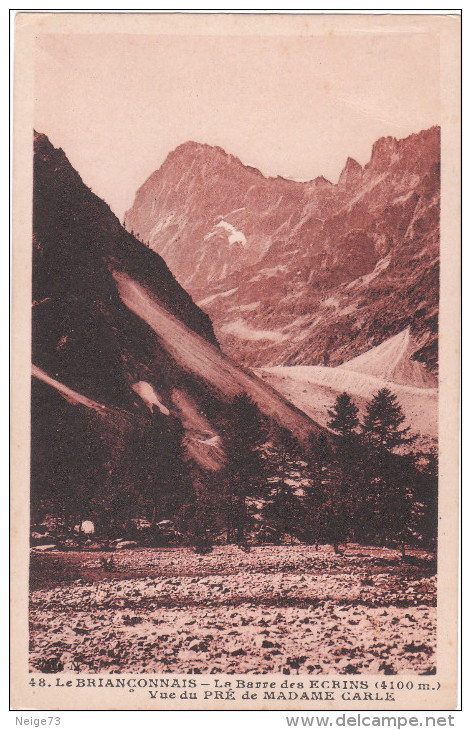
column 310, row 273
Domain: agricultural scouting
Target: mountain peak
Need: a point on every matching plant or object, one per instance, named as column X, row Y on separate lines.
column 194, row 150
column 389, row 150
column 383, row 149
column 322, row 181
column 192, row 147
column 351, row 173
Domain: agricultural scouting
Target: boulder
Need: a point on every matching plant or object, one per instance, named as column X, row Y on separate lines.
column 126, row 545
column 87, row 527
column 141, row 524
column 166, row 525
column 40, row 539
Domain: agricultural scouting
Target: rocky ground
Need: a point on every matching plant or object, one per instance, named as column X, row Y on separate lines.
column 288, row 609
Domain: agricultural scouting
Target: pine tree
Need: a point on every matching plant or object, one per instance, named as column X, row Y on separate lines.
column 283, row 509
column 328, row 511
column 390, row 470
column 427, row 493
column 67, row 470
column 343, row 416
column 398, row 511
column 383, row 422
column 170, row 477
column 158, row 464
column 343, row 499
column 200, row 517
column 242, row 440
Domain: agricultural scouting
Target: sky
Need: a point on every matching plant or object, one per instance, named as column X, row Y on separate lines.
column 293, row 106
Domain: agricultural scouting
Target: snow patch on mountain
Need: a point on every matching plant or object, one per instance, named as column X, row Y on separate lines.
column 247, row 307
column 211, row 298
column 162, row 224
column 234, row 236
column 331, row 302
column 147, row 393
column 366, row 189
column 404, row 198
column 201, row 442
column 233, row 212
column 70, row 395
column 269, row 273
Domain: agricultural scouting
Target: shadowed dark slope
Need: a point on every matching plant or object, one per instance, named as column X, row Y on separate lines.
column 96, row 351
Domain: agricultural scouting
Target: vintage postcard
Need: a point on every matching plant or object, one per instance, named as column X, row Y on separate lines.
column 236, row 247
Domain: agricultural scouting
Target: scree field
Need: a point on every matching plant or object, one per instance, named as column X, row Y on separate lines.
column 276, row 609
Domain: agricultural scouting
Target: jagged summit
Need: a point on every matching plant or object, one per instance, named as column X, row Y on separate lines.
column 321, row 180
column 390, row 150
column 351, row 173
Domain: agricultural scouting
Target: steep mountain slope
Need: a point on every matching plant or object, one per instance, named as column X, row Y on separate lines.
column 303, row 273
column 119, row 348
column 198, row 357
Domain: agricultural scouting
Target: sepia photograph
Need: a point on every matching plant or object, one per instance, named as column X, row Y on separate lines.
column 236, row 457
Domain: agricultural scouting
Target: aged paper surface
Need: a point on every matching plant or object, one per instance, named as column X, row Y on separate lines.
column 199, row 521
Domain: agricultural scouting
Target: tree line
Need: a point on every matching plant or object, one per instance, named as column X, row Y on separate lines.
column 361, row 481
